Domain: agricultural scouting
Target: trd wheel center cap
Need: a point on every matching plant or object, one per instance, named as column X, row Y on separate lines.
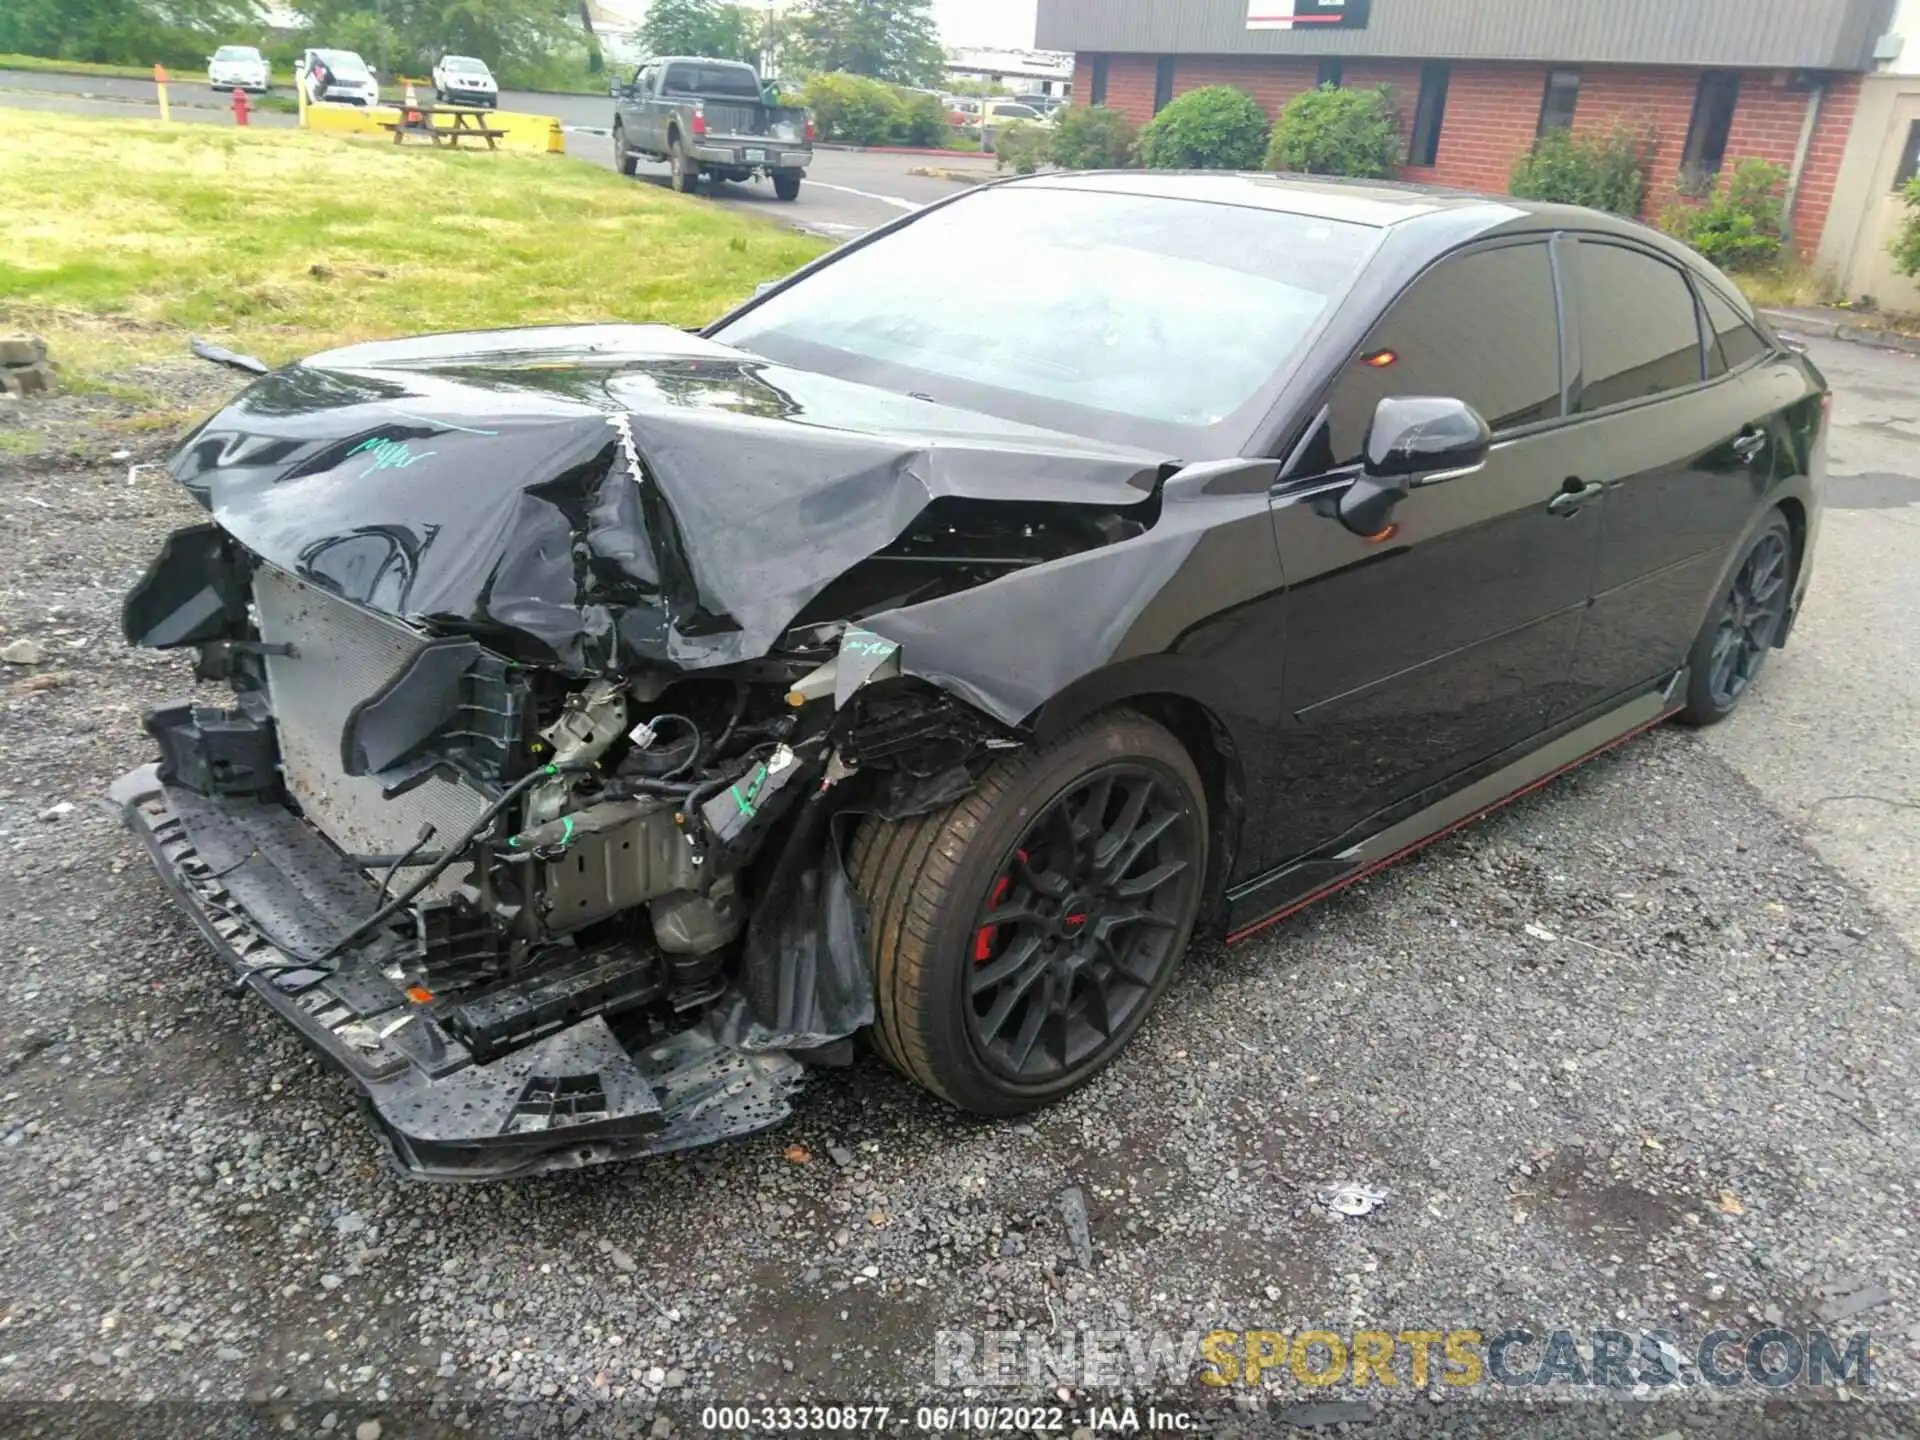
column 1075, row 912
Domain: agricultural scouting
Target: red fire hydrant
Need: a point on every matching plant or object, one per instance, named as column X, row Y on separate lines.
column 239, row 106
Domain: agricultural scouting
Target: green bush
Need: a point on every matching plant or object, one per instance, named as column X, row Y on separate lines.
column 924, row 120
column 1738, row 228
column 854, row 110
column 1092, row 137
column 1022, row 145
column 1330, row 131
column 857, row 110
column 1605, row 172
column 1215, row 128
column 1906, row 245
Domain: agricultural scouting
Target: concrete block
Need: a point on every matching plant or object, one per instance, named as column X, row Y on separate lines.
column 34, row 379
column 22, row 350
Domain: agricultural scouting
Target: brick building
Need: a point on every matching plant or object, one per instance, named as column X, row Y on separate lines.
column 1718, row 81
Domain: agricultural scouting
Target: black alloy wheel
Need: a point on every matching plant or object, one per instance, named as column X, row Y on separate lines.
column 1020, row 935
column 1076, row 936
column 1742, row 628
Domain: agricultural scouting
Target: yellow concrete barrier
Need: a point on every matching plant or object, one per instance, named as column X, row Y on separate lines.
column 523, row 132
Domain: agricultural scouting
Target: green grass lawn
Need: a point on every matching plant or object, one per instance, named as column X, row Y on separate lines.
column 125, row 237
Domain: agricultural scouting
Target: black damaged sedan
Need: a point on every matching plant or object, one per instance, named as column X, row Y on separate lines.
column 625, row 721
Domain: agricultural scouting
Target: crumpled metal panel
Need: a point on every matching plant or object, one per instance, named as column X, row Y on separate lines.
column 604, row 498
column 341, row 656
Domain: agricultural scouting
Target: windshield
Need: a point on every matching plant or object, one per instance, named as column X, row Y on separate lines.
column 343, row 63
column 1126, row 317
column 685, row 79
column 461, row 65
column 236, row 52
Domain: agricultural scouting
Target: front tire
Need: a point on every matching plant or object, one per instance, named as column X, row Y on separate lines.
column 1748, row 617
column 786, row 186
column 1021, row 935
column 624, row 160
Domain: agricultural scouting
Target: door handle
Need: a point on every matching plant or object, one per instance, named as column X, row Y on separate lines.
column 1578, row 493
column 1749, row 445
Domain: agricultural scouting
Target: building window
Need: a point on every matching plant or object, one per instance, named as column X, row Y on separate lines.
column 1099, row 83
column 1329, row 72
column 1556, row 106
column 1910, row 161
column 1429, row 113
column 1163, row 84
column 1713, row 105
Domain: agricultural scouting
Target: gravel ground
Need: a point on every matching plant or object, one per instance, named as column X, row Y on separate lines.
column 1626, row 1054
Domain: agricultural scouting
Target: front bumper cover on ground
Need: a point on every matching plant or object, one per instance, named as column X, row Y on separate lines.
column 578, row 1097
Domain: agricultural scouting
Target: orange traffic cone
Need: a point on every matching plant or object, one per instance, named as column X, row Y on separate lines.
column 412, row 102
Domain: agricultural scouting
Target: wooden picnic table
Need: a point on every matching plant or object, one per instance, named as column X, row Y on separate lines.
column 466, row 125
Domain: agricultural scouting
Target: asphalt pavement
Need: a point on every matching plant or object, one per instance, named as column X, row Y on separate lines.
column 1637, row 1052
column 846, row 193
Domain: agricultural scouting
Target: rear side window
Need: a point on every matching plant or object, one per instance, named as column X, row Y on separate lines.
column 1479, row 327
column 1739, row 342
column 1639, row 335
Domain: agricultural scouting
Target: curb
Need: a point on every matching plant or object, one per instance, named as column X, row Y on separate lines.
column 1790, row 323
column 965, row 177
column 902, row 150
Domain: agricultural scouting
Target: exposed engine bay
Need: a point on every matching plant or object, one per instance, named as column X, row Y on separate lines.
column 535, row 828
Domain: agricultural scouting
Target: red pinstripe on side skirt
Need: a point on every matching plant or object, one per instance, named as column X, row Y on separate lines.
column 1298, row 905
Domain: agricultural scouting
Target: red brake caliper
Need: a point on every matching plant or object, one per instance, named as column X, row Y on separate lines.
column 983, row 942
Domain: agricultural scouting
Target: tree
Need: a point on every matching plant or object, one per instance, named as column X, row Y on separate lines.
column 894, row 40
column 507, row 34
column 701, row 27
column 124, row 32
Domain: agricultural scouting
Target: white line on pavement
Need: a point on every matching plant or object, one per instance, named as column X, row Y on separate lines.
column 893, row 200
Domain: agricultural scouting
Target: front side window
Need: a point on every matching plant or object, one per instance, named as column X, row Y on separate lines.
column 1480, row 327
column 1121, row 316
column 1639, row 334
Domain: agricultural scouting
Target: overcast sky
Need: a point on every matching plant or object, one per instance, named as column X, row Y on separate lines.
column 986, row 22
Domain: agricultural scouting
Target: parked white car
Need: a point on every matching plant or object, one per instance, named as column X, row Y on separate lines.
column 336, row 77
column 238, row 67
column 463, row 80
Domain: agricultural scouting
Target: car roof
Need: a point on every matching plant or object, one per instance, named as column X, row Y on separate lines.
column 464, row 59
column 1380, row 204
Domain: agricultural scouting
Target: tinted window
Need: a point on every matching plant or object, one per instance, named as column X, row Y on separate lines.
column 1099, row 83
column 1162, row 83
column 1479, row 327
column 1909, row 158
column 1739, row 341
column 1639, row 335
column 1712, row 123
column 1429, row 113
column 1167, row 318
column 738, row 80
column 1557, row 104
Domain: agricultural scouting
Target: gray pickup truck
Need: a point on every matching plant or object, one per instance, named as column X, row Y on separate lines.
column 707, row 117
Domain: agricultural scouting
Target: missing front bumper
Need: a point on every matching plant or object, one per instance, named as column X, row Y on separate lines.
column 244, row 869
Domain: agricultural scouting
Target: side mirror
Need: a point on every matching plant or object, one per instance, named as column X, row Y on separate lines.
column 1414, row 440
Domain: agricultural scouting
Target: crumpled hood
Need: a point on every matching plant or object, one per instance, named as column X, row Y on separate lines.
column 601, row 496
